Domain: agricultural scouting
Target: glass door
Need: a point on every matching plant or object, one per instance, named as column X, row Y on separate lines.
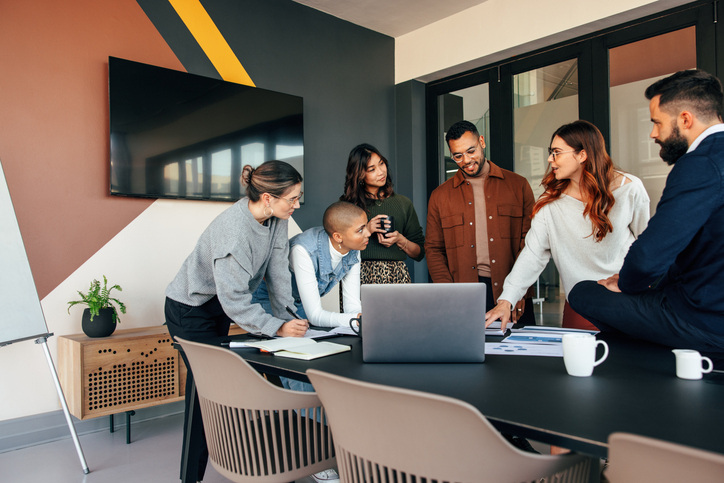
column 469, row 104
column 632, row 70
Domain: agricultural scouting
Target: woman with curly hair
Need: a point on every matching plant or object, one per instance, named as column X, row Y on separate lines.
column 369, row 186
column 586, row 219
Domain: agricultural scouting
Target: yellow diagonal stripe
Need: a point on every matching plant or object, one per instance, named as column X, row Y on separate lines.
column 204, row 30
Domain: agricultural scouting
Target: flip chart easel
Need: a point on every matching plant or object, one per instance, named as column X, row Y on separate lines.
column 21, row 316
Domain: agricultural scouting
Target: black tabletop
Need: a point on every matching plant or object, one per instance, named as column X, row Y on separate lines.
column 634, row 390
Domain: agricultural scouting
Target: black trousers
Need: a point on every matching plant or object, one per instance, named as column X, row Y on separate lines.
column 195, row 323
column 528, row 317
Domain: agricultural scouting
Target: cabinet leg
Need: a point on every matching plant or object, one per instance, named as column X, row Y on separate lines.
column 128, row 425
column 112, row 426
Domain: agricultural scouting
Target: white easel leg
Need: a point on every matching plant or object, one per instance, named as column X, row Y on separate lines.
column 44, row 342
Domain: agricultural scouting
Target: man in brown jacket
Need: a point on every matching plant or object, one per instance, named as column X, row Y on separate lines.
column 477, row 220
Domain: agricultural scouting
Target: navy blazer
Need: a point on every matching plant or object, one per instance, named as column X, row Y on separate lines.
column 682, row 250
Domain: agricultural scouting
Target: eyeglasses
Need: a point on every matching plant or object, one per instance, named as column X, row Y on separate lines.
column 460, row 157
column 553, row 153
column 291, row 201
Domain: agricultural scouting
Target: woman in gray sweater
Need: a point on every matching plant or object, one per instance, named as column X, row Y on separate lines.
column 245, row 244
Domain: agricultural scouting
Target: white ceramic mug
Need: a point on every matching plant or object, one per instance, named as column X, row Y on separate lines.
column 689, row 364
column 579, row 353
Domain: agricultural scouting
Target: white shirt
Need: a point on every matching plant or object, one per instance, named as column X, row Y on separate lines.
column 707, row 132
column 303, row 269
column 560, row 230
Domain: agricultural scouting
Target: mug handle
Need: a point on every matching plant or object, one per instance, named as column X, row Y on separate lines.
column 711, row 365
column 355, row 328
column 605, row 352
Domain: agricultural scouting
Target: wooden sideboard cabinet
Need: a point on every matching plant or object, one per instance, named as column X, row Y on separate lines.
column 129, row 370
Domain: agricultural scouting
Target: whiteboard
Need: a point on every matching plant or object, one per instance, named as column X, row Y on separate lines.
column 21, row 316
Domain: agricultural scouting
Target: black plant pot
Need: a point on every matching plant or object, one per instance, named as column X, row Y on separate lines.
column 102, row 324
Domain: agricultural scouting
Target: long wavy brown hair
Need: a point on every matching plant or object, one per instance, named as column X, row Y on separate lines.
column 354, row 188
column 598, row 173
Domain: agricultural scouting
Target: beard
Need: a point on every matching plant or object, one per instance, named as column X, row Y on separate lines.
column 673, row 147
column 481, row 165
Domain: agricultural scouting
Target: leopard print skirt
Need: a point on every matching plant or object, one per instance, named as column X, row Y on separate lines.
column 384, row 271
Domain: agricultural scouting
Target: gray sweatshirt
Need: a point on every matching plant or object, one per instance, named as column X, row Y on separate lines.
column 230, row 259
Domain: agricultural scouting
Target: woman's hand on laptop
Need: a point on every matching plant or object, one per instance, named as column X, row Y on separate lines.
column 499, row 312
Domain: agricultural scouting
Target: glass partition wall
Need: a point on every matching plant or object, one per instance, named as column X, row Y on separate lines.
column 518, row 104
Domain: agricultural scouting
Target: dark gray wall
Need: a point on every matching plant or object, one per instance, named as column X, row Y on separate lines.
column 345, row 74
column 410, row 154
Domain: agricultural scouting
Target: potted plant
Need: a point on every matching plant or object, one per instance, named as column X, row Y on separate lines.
column 101, row 316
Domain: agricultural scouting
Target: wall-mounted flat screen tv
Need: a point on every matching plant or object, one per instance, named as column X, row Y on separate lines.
column 180, row 135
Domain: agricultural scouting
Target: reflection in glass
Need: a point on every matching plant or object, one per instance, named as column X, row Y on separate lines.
column 221, row 172
column 633, row 69
column 544, row 99
column 470, row 104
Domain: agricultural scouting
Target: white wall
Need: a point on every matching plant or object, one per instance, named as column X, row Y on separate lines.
column 497, row 29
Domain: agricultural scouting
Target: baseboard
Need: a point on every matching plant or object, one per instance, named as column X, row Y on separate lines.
column 44, row 428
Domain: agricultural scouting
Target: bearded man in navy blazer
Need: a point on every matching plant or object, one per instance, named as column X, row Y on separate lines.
column 670, row 289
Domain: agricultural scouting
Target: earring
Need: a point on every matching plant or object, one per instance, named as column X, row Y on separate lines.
column 339, row 245
column 361, row 183
column 269, row 214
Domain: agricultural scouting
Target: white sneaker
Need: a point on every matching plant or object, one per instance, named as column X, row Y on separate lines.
column 326, row 476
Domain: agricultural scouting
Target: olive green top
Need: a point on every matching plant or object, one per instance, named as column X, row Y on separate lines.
column 406, row 222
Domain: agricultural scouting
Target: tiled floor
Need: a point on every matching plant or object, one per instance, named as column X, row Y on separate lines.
column 154, row 454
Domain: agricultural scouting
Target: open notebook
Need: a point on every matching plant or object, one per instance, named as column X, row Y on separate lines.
column 295, row 347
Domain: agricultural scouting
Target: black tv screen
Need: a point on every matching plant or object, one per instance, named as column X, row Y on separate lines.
column 180, row 135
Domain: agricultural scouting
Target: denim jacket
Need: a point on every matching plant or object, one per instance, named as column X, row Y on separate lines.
column 316, row 242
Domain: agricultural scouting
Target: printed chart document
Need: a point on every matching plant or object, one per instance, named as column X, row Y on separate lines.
column 507, row 349
column 533, row 341
column 294, row 347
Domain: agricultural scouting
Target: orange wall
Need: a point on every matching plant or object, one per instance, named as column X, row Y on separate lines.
column 54, row 123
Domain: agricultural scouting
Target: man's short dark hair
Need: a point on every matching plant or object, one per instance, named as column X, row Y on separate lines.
column 457, row 130
column 693, row 90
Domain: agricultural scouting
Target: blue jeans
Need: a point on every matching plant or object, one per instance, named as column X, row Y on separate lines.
column 646, row 316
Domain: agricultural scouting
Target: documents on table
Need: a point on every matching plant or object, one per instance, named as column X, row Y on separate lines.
column 494, row 328
column 342, row 330
column 533, row 341
column 294, row 347
column 315, row 333
column 506, row 349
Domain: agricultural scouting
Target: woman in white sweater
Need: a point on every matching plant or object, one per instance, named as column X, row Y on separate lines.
column 586, row 219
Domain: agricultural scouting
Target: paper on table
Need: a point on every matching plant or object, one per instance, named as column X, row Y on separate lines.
column 506, row 349
column 272, row 345
column 342, row 330
column 309, row 352
column 543, row 328
column 315, row 333
column 534, row 337
column 294, row 347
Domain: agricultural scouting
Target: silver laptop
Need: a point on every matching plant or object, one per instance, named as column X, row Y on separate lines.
column 423, row 322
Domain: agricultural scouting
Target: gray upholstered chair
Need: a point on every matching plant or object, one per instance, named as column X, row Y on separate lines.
column 386, row 434
column 256, row 431
column 633, row 458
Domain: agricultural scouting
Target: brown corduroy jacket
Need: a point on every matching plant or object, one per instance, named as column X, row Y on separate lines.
column 450, row 232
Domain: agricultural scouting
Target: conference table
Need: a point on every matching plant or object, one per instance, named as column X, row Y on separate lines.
column 635, row 390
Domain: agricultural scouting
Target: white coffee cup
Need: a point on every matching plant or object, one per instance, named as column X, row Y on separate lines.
column 689, row 364
column 579, row 353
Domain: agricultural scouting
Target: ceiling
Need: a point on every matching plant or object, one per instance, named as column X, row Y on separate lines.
column 391, row 17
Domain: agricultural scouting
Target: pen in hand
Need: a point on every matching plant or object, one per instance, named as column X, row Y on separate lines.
column 294, row 314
